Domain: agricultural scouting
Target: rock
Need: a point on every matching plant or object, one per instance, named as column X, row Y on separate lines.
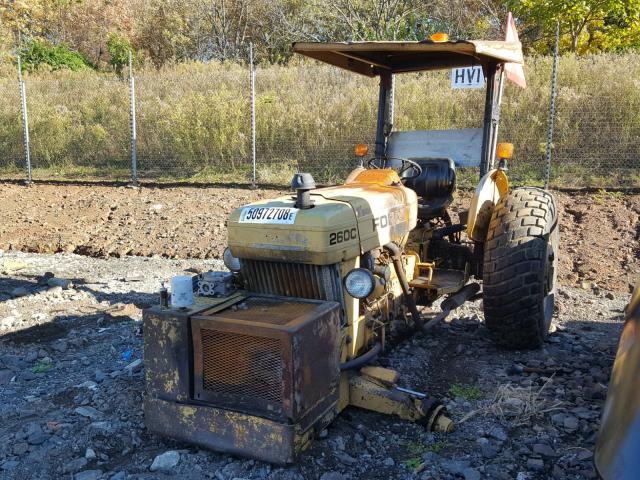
column 498, row 433
column 570, row 423
column 535, row 464
column 90, row 454
column 88, row 384
column 583, row 455
column 74, row 465
column 100, row 427
column 134, row 366
column 332, row 476
column 37, row 438
column 489, row 450
column 45, row 278
column 10, row 464
column 88, row 475
column 557, row 473
column 544, row 450
column 345, row 458
column 587, row 474
column 455, row 467
column 88, row 412
column 100, row 376
column 118, row 476
column 19, row 292
column 34, row 434
column 471, row 474
column 339, row 443
column 558, row 419
column 28, row 375
column 5, row 376
column 20, row 448
column 32, row 356
column 388, row 462
column 165, row 462
column 60, row 346
column 60, row 282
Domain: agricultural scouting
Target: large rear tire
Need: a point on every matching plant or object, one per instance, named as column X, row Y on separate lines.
column 520, row 268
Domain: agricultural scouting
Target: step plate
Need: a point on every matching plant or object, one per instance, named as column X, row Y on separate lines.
column 442, row 282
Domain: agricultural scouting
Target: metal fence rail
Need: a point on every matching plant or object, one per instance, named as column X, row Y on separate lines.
column 239, row 124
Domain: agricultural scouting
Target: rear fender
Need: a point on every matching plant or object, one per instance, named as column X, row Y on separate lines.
column 492, row 187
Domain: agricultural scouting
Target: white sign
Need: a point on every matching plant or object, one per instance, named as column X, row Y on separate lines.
column 467, row 77
column 284, row 215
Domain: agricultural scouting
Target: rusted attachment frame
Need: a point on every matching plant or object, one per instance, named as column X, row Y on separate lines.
column 231, row 432
column 374, row 388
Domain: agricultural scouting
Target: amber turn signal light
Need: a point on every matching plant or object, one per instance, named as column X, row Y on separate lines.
column 504, row 150
column 440, row 37
column 361, row 149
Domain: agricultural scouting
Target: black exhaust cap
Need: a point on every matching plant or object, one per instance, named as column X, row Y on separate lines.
column 303, row 183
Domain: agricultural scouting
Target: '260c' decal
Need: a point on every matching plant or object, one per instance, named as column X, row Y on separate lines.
column 343, row 236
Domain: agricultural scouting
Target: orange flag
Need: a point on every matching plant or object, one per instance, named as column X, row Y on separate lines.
column 514, row 71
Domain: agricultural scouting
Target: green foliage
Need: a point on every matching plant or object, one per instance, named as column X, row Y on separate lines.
column 40, row 54
column 586, row 26
column 415, row 450
column 118, row 48
column 42, row 367
column 437, row 447
column 466, row 392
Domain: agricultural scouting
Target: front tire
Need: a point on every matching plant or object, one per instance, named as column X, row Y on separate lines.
column 520, row 268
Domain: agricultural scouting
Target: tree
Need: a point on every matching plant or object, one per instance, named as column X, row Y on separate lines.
column 39, row 54
column 118, row 48
column 588, row 25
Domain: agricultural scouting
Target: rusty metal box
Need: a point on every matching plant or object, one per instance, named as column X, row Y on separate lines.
column 274, row 357
column 167, row 353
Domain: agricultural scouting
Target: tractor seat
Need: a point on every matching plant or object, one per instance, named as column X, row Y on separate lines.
column 434, row 186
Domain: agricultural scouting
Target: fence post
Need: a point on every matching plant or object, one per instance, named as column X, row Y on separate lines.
column 552, row 108
column 25, row 121
column 132, row 114
column 253, row 115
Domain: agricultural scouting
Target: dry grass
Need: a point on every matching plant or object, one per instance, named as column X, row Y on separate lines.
column 195, row 117
column 516, row 405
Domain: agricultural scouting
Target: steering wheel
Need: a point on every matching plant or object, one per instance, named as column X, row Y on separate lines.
column 405, row 165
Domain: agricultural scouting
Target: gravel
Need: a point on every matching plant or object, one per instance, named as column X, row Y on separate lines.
column 72, row 379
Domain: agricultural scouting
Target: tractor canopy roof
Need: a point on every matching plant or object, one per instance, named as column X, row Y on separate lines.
column 375, row 58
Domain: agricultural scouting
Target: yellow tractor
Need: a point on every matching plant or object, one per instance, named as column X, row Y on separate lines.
column 324, row 279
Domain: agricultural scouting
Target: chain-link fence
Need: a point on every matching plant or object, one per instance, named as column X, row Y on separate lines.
column 194, row 122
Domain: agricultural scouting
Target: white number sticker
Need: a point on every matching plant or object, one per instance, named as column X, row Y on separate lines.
column 284, row 215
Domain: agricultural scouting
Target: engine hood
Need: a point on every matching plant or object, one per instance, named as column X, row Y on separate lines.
column 345, row 222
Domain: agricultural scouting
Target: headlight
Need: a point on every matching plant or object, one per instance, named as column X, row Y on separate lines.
column 231, row 262
column 359, row 283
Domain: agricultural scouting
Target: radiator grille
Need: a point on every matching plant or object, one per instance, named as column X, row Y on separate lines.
column 242, row 365
column 320, row 282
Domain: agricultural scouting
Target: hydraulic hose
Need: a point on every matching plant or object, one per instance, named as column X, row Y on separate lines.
column 362, row 359
column 396, row 256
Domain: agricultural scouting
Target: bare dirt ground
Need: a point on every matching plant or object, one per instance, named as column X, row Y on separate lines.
column 71, row 383
column 599, row 232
